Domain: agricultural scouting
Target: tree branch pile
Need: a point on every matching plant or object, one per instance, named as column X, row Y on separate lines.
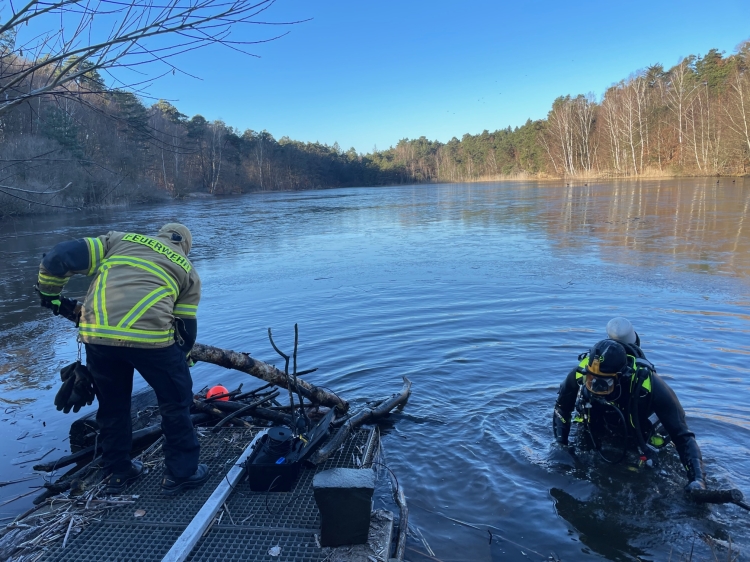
column 243, row 362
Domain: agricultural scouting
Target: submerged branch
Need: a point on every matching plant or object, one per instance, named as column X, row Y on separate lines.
column 363, row 416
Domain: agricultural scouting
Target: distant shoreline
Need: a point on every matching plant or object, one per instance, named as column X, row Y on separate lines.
column 196, row 195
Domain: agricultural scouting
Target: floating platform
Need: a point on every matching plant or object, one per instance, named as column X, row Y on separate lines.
column 245, row 526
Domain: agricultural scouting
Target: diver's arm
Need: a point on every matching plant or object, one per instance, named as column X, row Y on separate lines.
column 566, row 401
column 670, row 413
column 566, row 396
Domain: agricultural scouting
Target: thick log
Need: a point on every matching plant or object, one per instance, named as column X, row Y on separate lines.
column 242, row 362
column 732, row 495
column 363, row 416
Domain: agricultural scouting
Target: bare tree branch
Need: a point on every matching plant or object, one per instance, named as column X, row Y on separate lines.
column 38, row 202
column 36, row 192
column 52, row 61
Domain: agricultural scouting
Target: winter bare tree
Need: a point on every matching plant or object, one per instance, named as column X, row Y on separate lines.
column 69, row 49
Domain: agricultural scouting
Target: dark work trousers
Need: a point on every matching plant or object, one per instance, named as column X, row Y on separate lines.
column 166, row 371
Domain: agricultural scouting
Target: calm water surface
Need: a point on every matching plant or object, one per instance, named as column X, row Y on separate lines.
column 483, row 295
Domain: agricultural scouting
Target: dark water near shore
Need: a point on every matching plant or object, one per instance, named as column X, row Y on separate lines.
column 483, row 295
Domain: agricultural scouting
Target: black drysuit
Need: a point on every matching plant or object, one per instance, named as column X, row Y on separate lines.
column 660, row 400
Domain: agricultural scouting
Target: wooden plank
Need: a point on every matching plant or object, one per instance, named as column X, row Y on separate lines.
column 184, row 545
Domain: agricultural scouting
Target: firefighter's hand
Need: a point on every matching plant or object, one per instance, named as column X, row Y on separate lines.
column 52, row 302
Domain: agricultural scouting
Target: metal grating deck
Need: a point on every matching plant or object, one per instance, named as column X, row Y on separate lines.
column 295, row 509
column 253, row 523
column 288, row 520
column 239, row 544
column 218, row 451
column 115, row 542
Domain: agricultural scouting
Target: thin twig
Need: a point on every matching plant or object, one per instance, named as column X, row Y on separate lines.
column 34, row 491
column 67, row 533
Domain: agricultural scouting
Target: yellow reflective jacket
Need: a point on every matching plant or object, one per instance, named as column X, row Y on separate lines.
column 141, row 284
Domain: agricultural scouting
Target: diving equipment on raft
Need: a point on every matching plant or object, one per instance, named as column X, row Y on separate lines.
column 278, row 456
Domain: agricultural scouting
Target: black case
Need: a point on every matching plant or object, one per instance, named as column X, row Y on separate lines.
column 272, row 477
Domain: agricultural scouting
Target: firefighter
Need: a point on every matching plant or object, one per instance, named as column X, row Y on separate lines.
column 139, row 314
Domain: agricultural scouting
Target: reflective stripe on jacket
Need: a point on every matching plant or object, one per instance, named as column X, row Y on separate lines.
column 140, row 285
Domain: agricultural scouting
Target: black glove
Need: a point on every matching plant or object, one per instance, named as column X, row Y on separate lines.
column 560, row 427
column 68, row 379
column 52, row 302
column 68, row 309
column 78, row 388
column 695, row 475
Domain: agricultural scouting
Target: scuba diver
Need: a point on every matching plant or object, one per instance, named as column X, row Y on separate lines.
column 615, row 388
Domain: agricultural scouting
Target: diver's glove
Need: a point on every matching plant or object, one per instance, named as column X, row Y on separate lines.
column 695, row 475
column 560, row 427
column 77, row 390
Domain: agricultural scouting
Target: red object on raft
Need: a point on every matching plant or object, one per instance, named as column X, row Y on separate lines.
column 217, row 391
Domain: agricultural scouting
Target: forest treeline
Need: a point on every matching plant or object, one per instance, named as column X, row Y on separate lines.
column 102, row 146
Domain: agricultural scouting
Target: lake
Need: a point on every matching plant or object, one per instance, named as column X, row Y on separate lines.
column 482, row 294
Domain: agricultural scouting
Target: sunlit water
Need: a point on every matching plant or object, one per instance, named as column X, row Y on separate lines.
column 483, row 295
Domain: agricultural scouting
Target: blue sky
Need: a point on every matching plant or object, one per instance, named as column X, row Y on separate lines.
column 367, row 74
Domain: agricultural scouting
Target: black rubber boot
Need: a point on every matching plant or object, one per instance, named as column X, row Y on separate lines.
column 119, row 481
column 171, row 485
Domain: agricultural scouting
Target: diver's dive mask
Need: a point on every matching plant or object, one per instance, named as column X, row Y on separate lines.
column 597, row 382
column 606, row 364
